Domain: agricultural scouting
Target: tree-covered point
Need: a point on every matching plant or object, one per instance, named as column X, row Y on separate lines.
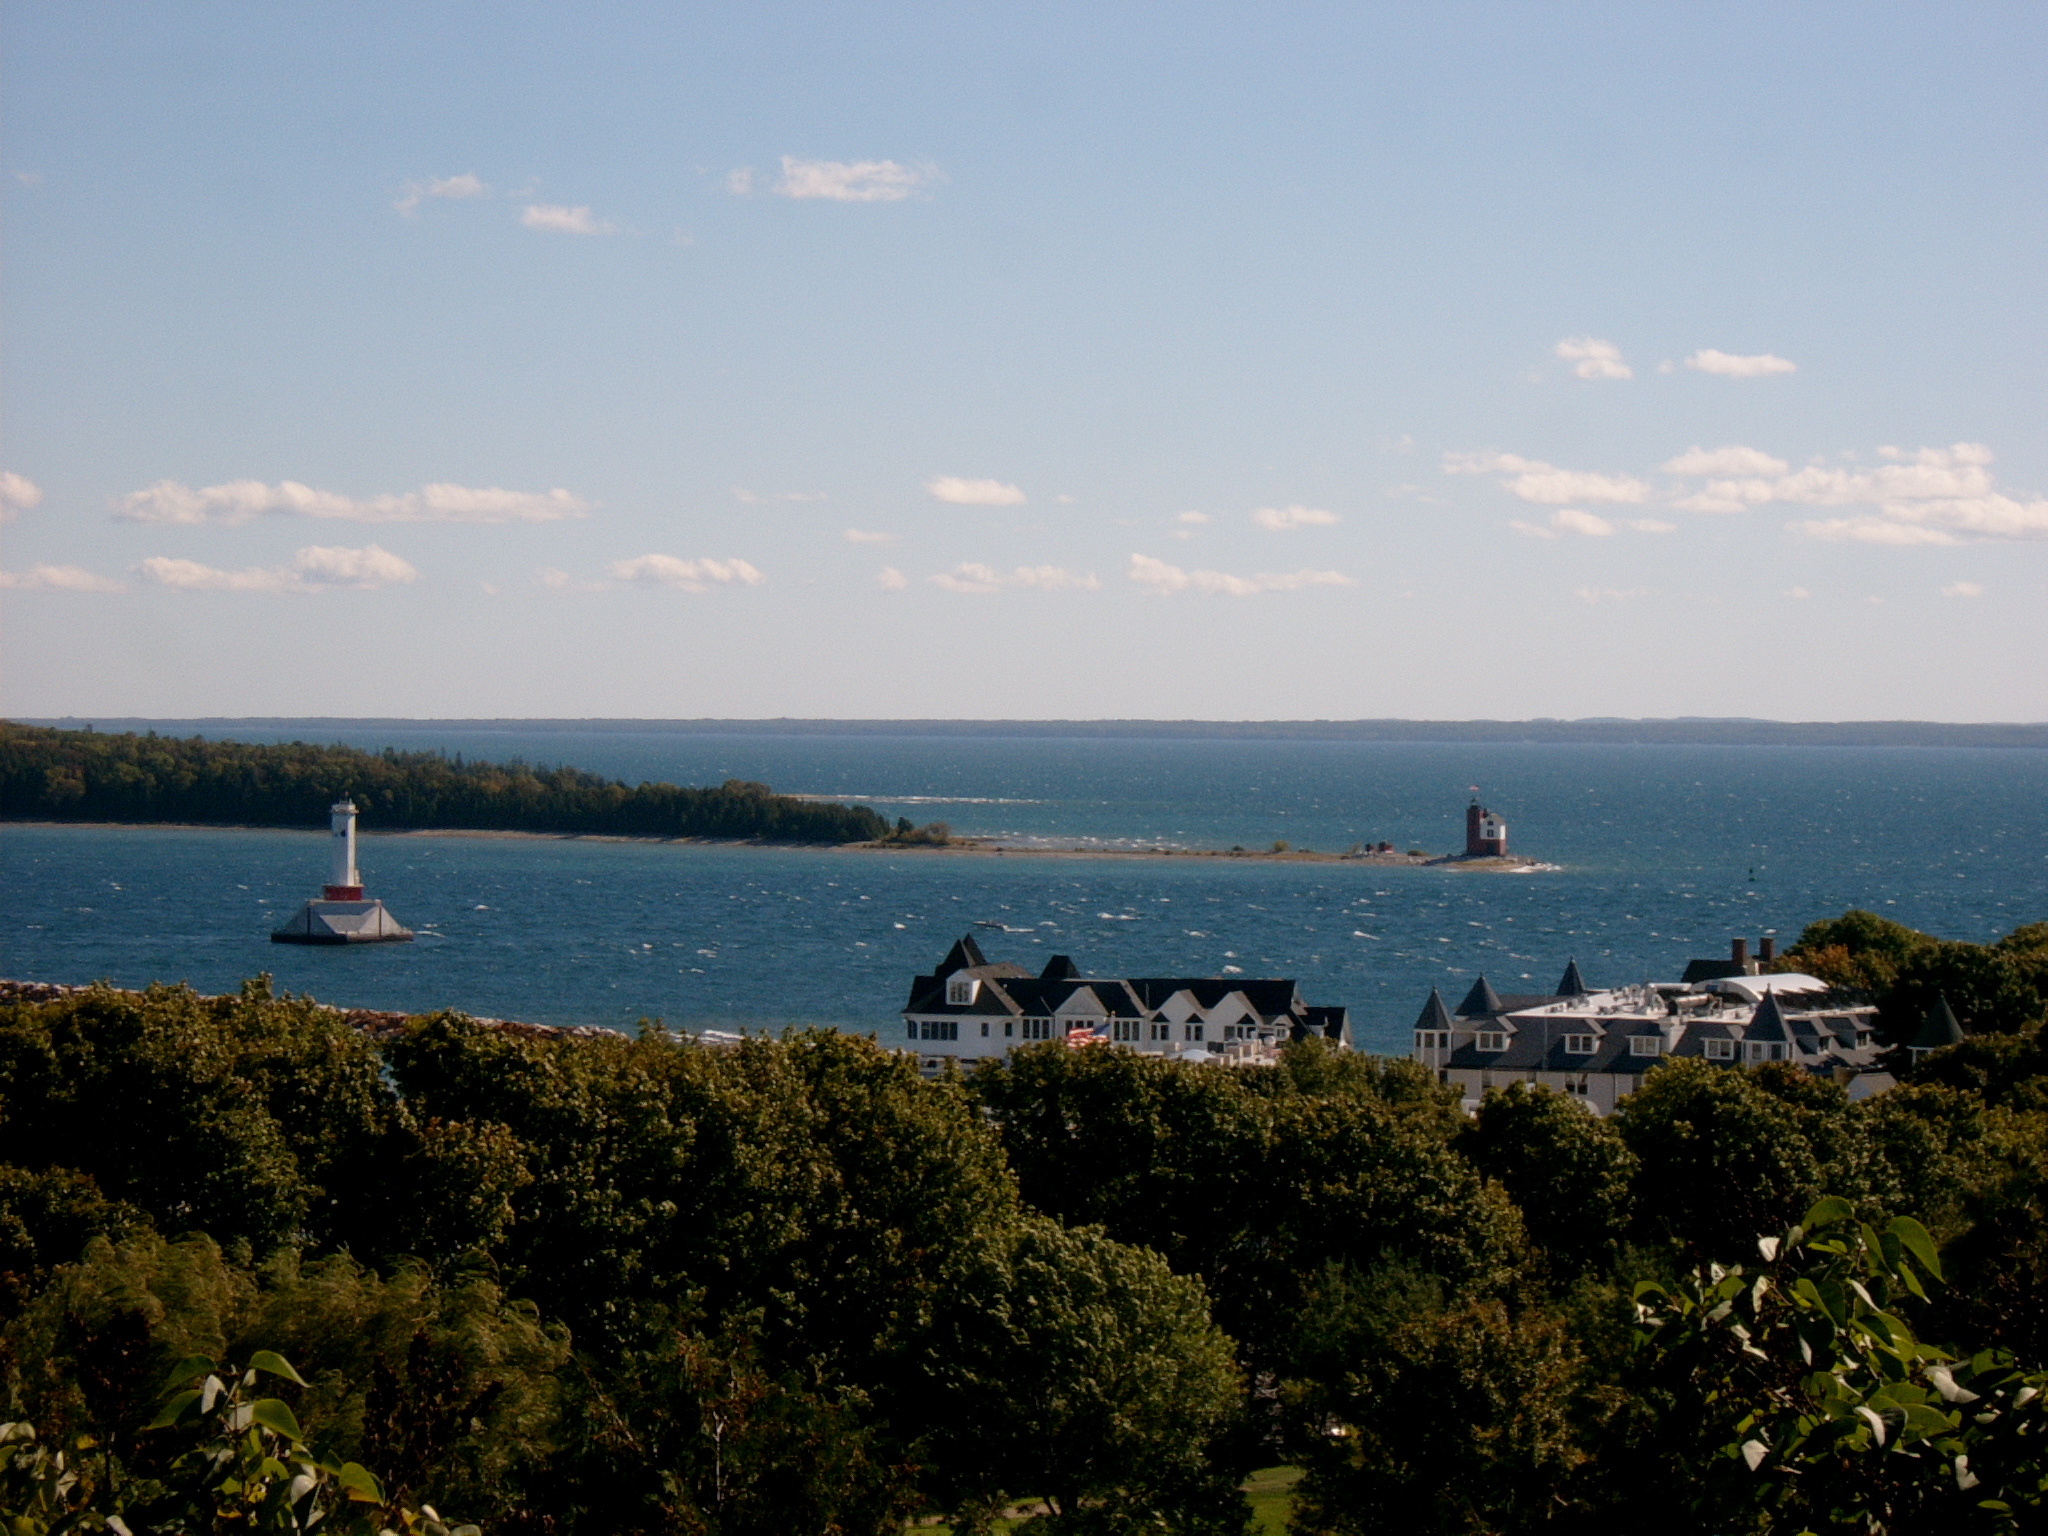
column 91, row 776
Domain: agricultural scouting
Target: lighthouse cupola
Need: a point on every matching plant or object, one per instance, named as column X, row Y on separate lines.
column 343, row 883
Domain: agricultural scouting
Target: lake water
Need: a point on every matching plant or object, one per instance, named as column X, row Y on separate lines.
column 1664, row 852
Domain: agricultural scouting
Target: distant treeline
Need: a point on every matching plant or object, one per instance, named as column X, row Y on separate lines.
column 89, row 776
column 1596, row 732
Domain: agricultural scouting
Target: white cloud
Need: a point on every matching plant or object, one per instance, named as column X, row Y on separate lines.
column 316, row 568
column 1161, row 579
column 1594, row 596
column 980, row 579
column 417, row 192
column 239, row 501
column 58, row 578
column 1194, row 519
column 892, row 580
column 847, row 181
column 1930, row 496
column 565, row 221
column 1280, row 519
column 740, row 183
column 1649, row 525
column 1798, row 592
column 682, row 575
column 974, row 493
column 18, row 494
column 1962, row 589
column 1534, row 480
column 1593, row 358
column 1723, row 461
column 1731, row 366
column 868, row 536
column 1870, row 530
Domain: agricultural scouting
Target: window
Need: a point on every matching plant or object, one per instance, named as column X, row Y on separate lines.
column 1646, row 1045
column 1492, row 1040
column 1009, row 1026
column 942, row 1029
column 1191, row 1031
column 1765, row 1050
column 910, row 1028
column 1432, row 1039
column 1581, row 1045
column 1160, row 1032
column 1038, row 1029
column 1124, row 1029
column 1720, row 1050
column 984, row 1029
column 960, row 990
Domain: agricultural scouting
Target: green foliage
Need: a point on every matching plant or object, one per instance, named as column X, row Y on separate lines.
column 94, row 776
column 1721, row 1157
column 251, row 1118
column 1568, row 1172
column 443, row 1384
column 1819, row 1407
column 1252, row 1180
column 1086, row 1372
column 1417, row 1413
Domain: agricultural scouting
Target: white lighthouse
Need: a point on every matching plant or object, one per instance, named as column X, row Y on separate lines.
column 342, row 916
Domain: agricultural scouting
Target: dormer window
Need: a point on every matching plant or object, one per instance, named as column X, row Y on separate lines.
column 1646, row 1045
column 1491, row 1040
column 1432, row 1039
column 960, row 990
column 1581, row 1045
column 1765, row 1050
column 1720, row 1050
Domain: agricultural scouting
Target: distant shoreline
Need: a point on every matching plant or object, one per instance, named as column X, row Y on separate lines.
column 1587, row 732
column 959, row 846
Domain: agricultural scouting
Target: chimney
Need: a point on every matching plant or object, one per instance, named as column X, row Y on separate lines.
column 1738, row 953
column 1766, row 949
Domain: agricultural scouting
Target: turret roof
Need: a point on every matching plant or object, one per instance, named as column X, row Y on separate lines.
column 1481, row 1001
column 1434, row 1014
column 1768, row 1022
column 1939, row 1028
column 1572, row 983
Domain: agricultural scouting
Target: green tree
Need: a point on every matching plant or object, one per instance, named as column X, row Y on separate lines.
column 1085, row 1372
column 1816, row 1406
column 1567, row 1170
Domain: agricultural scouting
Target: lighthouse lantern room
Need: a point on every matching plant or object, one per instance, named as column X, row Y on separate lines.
column 342, row 915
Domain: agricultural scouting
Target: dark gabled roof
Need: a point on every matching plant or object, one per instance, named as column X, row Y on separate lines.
column 1268, row 996
column 1059, row 968
column 1572, row 983
column 1938, row 1029
column 1481, row 1002
column 1768, row 1022
column 1434, row 1014
column 962, row 956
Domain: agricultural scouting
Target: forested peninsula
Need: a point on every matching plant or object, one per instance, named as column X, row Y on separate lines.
column 63, row 775
column 258, row 1265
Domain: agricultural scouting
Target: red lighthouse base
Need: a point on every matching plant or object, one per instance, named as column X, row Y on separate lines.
column 342, row 892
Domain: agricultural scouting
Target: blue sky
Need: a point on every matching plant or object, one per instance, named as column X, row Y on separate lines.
column 1163, row 361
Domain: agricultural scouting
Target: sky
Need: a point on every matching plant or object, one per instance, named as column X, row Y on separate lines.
column 1079, row 361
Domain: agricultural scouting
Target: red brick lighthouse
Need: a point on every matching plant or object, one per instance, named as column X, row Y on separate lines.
column 1485, row 833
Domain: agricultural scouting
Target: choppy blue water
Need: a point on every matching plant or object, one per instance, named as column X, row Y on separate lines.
column 1664, row 853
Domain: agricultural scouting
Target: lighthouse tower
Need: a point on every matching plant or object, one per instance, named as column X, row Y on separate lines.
column 1486, row 835
column 341, row 915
